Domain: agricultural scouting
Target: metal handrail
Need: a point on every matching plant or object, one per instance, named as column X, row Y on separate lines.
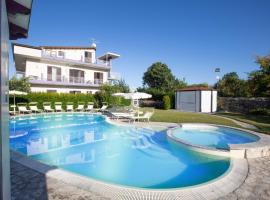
column 85, row 61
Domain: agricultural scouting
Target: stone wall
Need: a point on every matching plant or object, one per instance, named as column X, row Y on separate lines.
column 242, row 105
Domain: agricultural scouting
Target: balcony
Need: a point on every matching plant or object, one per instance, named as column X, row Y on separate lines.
column 65, row 81
column 85, row 62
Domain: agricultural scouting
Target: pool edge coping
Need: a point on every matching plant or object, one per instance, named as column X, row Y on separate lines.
column 216, row 188
column 256, row 149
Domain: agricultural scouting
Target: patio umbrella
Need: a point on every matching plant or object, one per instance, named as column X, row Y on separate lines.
column 14, row 93
column 134, row 96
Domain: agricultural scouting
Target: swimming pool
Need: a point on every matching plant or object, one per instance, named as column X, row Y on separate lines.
column 90, row 146
column 213, row 136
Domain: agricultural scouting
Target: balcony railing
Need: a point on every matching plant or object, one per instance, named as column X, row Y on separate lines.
column 73, row 79
column 81, row 61
column 62, row 80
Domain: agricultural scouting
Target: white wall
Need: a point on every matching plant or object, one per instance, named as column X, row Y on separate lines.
column 214, row 101
column 205, row 101
column 27, row 51
column 36, row 69
column 73, row 54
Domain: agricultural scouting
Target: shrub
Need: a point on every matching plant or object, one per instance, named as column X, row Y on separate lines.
column 166, row 102
column 259, row 111
column 74, row 98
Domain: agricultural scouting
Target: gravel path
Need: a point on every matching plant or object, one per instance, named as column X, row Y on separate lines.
column 242, row 124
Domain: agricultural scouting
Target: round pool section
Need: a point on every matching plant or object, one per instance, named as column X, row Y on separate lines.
column 90, row 146
column 217, row 137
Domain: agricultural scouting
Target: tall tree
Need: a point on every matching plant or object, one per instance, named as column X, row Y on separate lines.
column 259, row 80
column 122, row 86
column 232, row 86
column 159, row 76
column 21, row 84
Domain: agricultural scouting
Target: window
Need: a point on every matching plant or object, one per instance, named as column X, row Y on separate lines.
column 47, row 52
column 76, row 76
column 74, row 92
column 98, row 77
column 89, row 92
column 88, row 56
column 53, row 73
column 61, row 53
column 53, row 53
column 51, row 91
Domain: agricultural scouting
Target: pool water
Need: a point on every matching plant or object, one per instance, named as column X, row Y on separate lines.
column 213, row 136
column 90, row 146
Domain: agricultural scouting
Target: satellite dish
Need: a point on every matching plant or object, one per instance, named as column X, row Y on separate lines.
column 93, row 45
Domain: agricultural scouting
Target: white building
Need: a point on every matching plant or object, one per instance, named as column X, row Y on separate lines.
column 196, row 99
column 68, row 69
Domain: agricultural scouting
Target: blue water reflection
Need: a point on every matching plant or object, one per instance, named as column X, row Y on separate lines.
column 90, row 146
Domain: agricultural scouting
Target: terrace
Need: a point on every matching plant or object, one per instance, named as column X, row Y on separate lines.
column 59, row 80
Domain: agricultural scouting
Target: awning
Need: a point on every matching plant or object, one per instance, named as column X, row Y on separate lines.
column 109, row 56
column 19, row 12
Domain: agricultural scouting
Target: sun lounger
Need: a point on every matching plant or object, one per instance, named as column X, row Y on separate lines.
column 146, row 116
column 58, row 106
column 118, row 115
column 47, row 107
column 33, row 107
column 80, row 107
column 12, row 110
column 90, row 107
column 69, row 107
column 22, row 109
column 103, row 108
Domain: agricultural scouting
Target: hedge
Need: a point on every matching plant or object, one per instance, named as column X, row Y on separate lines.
column 66, row 97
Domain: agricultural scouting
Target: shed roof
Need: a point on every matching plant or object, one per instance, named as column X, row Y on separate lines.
column 196, row 89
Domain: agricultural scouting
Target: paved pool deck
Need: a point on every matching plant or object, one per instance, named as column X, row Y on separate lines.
column 247, row 179
column 28, row 184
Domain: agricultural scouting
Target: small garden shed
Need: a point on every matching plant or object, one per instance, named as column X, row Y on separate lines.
column 196, row 99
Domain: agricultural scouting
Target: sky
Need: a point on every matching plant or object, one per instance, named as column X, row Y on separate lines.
column 192, row 37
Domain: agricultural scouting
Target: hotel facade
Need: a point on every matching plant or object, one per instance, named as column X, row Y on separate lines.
column 64, row 69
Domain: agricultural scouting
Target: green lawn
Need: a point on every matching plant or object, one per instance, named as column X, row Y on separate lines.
column 261, row 122
column 187, row 117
